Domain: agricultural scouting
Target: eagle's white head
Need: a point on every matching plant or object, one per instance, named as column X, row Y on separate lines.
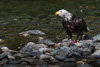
column 64, row 14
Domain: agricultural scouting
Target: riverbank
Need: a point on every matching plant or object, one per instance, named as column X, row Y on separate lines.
column 46, row 53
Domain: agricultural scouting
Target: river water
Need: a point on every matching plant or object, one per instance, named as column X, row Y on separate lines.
column 22, row 15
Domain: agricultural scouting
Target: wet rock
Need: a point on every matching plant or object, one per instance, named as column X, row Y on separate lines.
column 65, row 48
column 97, row 47
column 70, row 60
column 84, row 65
column 74, row 54
column 43, row 49
column 54, row 52
column 96, row 38
column 57, row 45
column 79, row 62
column 87, row 37
column 24, row 34
column 28, row 47
column 11, row 65
column 36, row 32
column 47, row 42
column 96, row 52
column 74, row 48
column 60, row 57
column 4, row 61
column 54, row 66
column 1, row 40
column 33, row 54
column 45, row 57
column 2, row 56
column 68, row 64
column 79, row 44
column 6, row 49
column 24, row 63
column 87, row 41
column 54, row 61
column 65, row 42
column 14, row 61
column 31, row 60
column 42, row 65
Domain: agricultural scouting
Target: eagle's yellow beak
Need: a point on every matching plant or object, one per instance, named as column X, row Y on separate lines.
column 57, row 13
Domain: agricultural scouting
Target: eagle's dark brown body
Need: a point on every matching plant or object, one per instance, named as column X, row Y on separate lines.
column 75, row 25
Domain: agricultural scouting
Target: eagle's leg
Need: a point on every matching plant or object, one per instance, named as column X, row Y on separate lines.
column 69, row 35
column 79, row 36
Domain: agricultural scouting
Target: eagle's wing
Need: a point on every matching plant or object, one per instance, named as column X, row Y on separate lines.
column 80, row 24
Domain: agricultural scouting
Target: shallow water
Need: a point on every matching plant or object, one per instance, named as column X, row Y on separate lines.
column 21, row 15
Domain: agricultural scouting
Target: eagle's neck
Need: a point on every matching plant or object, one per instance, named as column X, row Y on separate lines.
column 68, row 17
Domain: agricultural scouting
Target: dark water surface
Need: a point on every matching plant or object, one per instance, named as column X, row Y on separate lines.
column 21, row 15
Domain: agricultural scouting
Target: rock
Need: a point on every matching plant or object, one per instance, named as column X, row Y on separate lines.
column 36, row 32
column 65, row 48
column 24, row 63
column 54, row 52
column 87, row 37
column 14, row 61
column 84, row 65
column 43, row 49
column 28, row 47
column 60, row 57
column 96, row 52
column 54, row 66
column 29, row 60
column 5, row 49
column 58, row 45
column 4, row 61
column 79, row 62
column 11, row 65
column 32, row 61
column 46, row 42
column 2, row 56
column 70, row 60
column 42, row 65
column 74, row 48
column 68, row 64
column 24, row 34
column 33, row 54
column 87, row 41
column 65, row 42
column 96, row 38
column 74, row 54
column 46, row 57
column 79, row 44
column 54, row 61
column 1, row 40
column 97, row 47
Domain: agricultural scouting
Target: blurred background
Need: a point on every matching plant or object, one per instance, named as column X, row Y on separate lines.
column 22, row 15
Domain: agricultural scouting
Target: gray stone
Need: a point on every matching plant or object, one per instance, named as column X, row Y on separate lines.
column 36, row 32
column 60, row 57
column 96, row 52
column 46, row 42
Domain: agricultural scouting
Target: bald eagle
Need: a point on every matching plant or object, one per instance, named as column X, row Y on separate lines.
column 72, row 24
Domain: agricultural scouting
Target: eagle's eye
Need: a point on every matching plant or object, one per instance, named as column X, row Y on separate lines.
column 61, row 11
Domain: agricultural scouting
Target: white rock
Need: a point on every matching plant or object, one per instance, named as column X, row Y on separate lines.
column 96, row 52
